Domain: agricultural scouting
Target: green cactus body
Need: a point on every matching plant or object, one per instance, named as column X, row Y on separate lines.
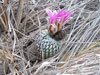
column 47, row 44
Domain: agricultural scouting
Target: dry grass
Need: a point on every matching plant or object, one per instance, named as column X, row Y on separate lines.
column 21, row 20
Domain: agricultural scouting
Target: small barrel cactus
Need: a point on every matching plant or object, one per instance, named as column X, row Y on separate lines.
column 49, row 40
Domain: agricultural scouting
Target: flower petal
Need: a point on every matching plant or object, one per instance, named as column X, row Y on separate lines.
column 51, row 15
column 60, row 13
column 68, row 14
column 49, row 12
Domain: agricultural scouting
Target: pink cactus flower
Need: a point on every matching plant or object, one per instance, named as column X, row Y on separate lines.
column 57, row 19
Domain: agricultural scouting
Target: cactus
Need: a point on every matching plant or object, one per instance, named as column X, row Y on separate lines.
column 49, row 40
